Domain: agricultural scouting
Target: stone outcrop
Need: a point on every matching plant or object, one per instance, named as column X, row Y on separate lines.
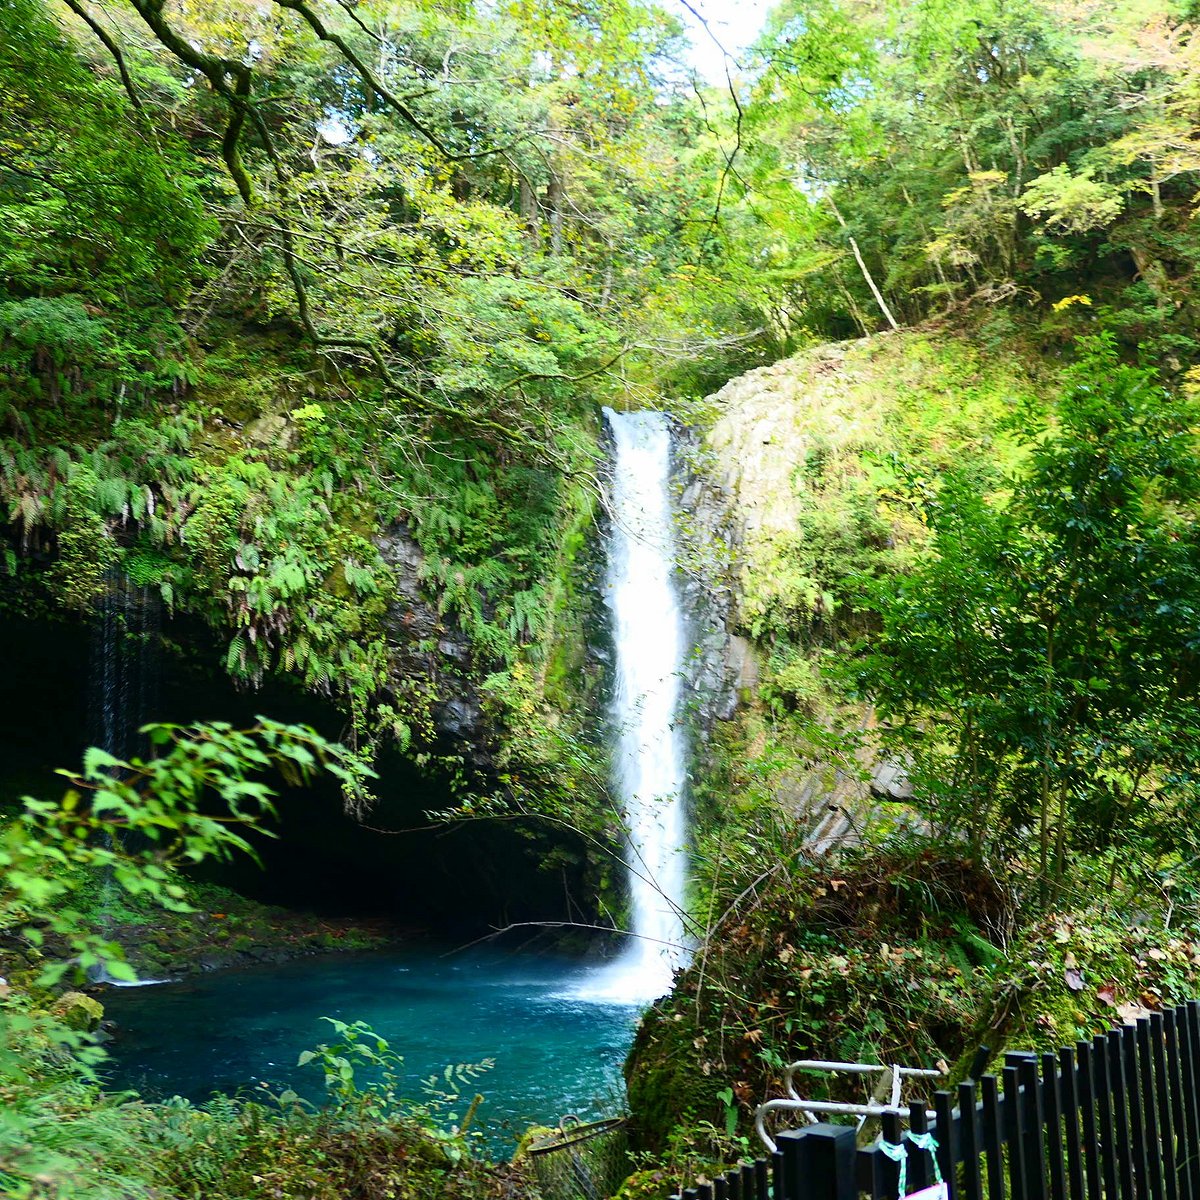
column 428, row 650
column 715, row 670
column 773, row 423
column 78, row 1011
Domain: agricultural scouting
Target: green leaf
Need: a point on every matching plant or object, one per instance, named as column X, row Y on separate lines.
column 99, row 762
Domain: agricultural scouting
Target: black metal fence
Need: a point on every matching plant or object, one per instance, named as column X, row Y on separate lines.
column 1116, row 1118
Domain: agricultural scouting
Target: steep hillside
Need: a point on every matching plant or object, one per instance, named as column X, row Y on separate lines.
column 821, row 465
column 936, row 908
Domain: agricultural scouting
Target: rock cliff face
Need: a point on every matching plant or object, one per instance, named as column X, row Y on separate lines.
column 773, row 425
column 429, row 650
column 770, row 490
column 706, row 544
column 741, row 489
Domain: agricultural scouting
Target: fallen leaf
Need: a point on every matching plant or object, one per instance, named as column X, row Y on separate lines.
column 1069, row 961
column 1062, row 934
column 1074, row 979
column 1107, row 995
column 1129, row 1013
column 837, row 884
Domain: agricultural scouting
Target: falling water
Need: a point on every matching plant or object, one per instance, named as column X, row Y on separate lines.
column 649, row 753
column 123, row 682
column 122, row 686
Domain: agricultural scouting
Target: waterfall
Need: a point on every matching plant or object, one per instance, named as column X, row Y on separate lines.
column 649, row 750
column 124, row 676
column 122, row 692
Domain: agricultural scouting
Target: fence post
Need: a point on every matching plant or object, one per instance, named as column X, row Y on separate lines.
column 792, row 1145
column 1118, row 1115
column 819, row 1162
column 831, row 1153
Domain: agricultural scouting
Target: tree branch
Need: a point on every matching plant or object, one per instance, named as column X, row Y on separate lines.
column 373, row 82
column 109, row 43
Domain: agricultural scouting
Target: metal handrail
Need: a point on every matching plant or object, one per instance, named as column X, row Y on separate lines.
column 795, row 1103
column 820, row 1064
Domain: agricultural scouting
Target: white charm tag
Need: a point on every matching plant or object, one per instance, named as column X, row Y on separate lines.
column 938, row 1191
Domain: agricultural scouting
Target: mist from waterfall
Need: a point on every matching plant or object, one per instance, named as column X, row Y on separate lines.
column 649, row 751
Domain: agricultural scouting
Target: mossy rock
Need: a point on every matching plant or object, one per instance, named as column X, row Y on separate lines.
column 665, row 1076
column 77, row 1011
column 654, row 1184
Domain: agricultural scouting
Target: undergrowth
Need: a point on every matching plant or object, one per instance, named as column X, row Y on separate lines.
column 63, row 1138
column 905, row 952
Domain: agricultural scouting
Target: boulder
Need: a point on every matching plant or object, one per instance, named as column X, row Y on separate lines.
column 889, row 781
column 78, row 1011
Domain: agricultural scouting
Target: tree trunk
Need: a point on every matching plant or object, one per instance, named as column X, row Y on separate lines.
column 852, row 304
column 1044, row 789
column 528, row 205
column 862, row 266
column 607, row 286
column 555, row 195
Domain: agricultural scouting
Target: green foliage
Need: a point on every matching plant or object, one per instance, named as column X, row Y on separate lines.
column 793, row 681
column 984, row 152
column 257, row 1150
column 101, row 225
column 59, row 1138
column 59, row 330
column 1043, row 650
column 62, row 1137
column 136, row 821
column 486, row 537
column 380, row 1100
column 836, row 539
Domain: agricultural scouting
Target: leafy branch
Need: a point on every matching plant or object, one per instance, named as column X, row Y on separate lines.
column 137, row 821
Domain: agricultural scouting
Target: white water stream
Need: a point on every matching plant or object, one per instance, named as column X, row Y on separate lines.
column 649, row 752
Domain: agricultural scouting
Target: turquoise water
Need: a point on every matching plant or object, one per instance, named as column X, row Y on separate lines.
column 232, row 1031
